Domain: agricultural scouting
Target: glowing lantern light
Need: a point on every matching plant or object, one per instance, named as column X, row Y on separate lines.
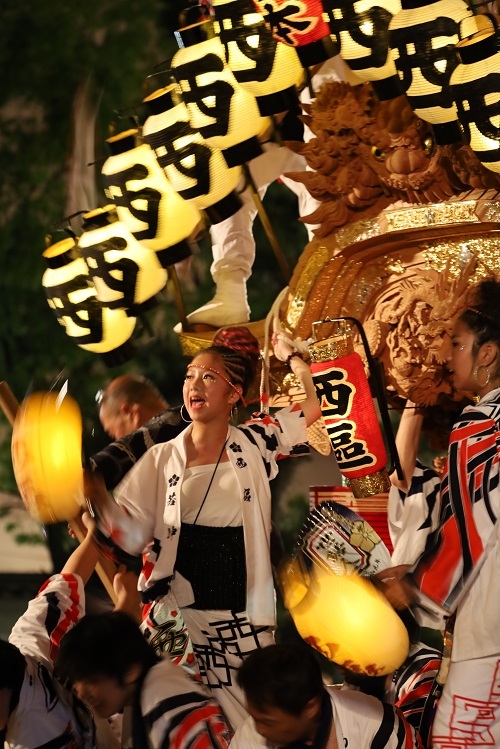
column 268, row 70
column 47, row 456
column 362, row 30
column 125, row 275
column 475, row 87
column 423, row 38
column 73, row 299
column 225, row 115
column 198, row 172
column 349, row 415
column 300, row 25
column 344, row 617
column 145, row 201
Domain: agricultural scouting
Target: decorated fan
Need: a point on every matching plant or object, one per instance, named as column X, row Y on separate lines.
column 333, row 604
column 334, row 533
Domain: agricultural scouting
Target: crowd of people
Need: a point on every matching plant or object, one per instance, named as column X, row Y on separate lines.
column 187, row 492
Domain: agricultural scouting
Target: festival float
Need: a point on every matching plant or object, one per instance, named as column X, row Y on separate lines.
column 399, row 171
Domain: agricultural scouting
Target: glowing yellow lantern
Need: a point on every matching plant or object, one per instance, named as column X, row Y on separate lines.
column 475, row 88
column 264, row 67
column 225, row 115
column 361, row 28
column 423, row 38
column 198, row 172
column 47, row 456
column 73, row 299
column 146, row 202
column 125, row 274
column 344, row 617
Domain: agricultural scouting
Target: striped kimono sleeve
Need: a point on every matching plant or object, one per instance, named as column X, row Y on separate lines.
column 366, row 722
column 394, row 732
column 57, row 607
column 470, row 502
column 187, row 721
column 412, row 683
column 277, row 435
column 413, row 515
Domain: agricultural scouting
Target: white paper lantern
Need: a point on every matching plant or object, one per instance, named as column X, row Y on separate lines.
column 268, row 70
column 423, row 38
column 198, row 172
column 361, row 28
column 475, row 87
column 73, row 299
column 226, row 115
column 146, row 202
column 125, row 274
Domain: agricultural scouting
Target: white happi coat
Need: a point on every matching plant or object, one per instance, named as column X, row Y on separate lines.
column 147, row 514
column 46, row 714
column 359, row 721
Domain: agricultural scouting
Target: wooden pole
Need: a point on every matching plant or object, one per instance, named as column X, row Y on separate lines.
column 267, row 226
column 8, row 402
column 179, row 303
column 104, row 568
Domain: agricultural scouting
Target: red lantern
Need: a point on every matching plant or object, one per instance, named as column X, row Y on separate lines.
column 300, row 24
column 349, row 415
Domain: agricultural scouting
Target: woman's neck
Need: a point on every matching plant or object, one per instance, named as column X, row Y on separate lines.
column 204, row 445
column 487, row 390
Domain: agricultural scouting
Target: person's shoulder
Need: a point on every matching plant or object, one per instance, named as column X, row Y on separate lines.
column 165, row 425
column 166, row 679
column 486, row 410
column 357, row 703
column 246, row 737
column 171, row 416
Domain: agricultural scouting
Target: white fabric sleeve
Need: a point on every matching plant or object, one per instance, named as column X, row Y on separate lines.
column 59, row 604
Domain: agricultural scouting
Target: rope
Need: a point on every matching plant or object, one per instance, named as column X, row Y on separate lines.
column 297, row 344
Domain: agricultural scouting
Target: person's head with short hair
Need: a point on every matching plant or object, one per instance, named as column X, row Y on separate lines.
column 284, row 690
column 102, row 660
column 127, row 403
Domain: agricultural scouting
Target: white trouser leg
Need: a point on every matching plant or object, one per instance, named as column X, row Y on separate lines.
column 233, row 244
column 468, row 713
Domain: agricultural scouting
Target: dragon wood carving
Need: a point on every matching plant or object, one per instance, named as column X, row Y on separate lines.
column 367, row 154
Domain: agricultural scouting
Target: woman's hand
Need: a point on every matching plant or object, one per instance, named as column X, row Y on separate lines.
column 282, row 349
column 396, row 586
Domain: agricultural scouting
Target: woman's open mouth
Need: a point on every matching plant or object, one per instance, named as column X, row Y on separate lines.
column 196, row 403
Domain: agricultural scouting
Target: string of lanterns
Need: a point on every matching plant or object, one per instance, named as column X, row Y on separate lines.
column 231, row 74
